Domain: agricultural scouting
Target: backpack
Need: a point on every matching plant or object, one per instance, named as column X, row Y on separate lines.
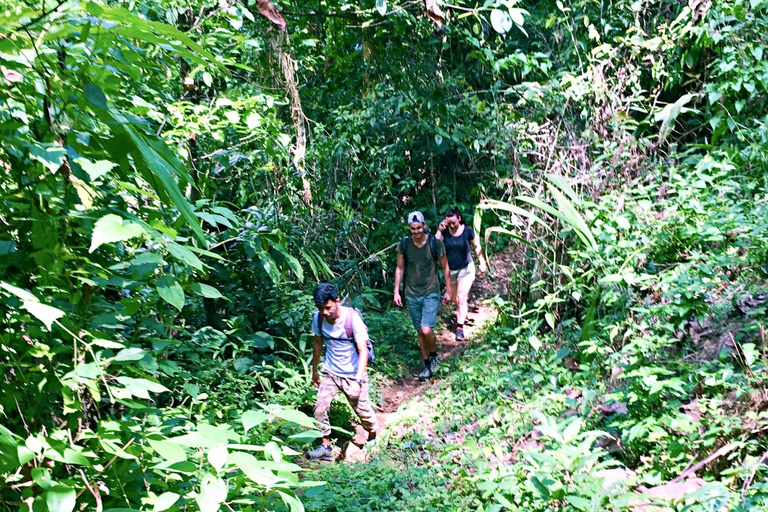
column 350, row 332
column 404, row 245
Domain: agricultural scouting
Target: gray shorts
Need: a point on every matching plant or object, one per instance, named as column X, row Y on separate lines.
column 463, row 273
column 423, row 310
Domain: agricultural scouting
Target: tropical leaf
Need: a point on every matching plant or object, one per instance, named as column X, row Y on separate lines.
column 111, row 228
column 153, row 159
column 573, row 217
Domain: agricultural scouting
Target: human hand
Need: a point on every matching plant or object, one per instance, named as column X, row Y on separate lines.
column 443, row 226
column 315, row 378
column 482, row 267
column 355, row 389
column 398, row 300
column 447, row 296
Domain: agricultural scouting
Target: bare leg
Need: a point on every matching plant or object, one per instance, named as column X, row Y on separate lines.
column 462, row 296
column 427, row 341
column 423, row 344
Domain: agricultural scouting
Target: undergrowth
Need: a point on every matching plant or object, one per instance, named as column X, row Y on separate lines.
column 645, row 366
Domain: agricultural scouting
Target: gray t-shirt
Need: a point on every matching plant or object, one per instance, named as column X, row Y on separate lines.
column 341, row 357
column 421, row 278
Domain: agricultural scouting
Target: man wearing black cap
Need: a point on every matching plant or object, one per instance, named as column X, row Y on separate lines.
column 418, row 259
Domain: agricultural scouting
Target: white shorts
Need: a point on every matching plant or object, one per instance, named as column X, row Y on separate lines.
column 460, row 274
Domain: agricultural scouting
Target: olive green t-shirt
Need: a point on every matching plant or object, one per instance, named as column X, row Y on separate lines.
column 421, row 277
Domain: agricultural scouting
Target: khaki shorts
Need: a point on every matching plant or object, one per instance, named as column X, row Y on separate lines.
column 460, row 274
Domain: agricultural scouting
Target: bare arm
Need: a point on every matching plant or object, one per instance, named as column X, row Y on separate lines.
column 362, row 363
column 442, row 227
column 399, row 272
column 447, row 275
column 317, row 347
column 482, row 264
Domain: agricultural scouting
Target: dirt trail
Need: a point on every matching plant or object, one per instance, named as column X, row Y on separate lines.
column 484, row 287
column 408, row 386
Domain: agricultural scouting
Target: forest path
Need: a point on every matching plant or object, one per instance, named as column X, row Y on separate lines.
column 480, row 314
column 408, row 388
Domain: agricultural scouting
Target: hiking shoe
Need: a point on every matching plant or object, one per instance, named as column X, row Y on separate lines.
column 426, row 373
column 433, row 365
column 323, row 452
column 459, row 334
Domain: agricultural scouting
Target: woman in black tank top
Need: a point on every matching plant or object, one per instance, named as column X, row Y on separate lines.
column 460, row 240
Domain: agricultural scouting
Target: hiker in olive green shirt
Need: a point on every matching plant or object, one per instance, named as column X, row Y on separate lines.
column 418, row 259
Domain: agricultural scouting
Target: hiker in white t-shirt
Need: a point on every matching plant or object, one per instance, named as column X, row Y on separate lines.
column 344, row 367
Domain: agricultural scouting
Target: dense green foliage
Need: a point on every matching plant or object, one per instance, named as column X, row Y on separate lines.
column 177, row 175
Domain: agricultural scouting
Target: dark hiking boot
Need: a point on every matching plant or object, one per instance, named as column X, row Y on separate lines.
column 426, row 373
column 433, row 365
column 323, row 452
column 459, row 334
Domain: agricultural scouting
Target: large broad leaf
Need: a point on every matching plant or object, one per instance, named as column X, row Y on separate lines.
column 253, row 469
column 269, row 265
column 131, row 354
column 43, row 312
column 184, row 255
column 51, row 156
column 306, row 436
column 140, row 387
column 206, row 290
column 292, row 501
column 501, row 21
column 13, row 453
column 217, row 456
column 165, row 501
column 207, row 436
column 669, row 114
column 168, row 450
column 152, row 157
column 294, row 417
column 260, row 340
column 46, row 314
column 213, row 492
column 171, row 291
column 251, row 419
column 292, row 261
column 60, row 498
column 112, row 228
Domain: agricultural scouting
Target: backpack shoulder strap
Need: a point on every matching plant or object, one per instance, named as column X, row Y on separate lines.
column 403, row 247
column 432, row 245
column 348, row 324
